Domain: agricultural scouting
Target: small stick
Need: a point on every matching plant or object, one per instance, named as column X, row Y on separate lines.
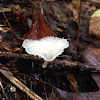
column 13, row 33
column 5, row 71
column 41, row 7
column 64, row 63
column 3, row 91
column 79, row 22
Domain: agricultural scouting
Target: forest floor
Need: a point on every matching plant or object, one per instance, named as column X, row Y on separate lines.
column 73, row 75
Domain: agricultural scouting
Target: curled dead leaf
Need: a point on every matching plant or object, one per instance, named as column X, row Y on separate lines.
column 39, row 28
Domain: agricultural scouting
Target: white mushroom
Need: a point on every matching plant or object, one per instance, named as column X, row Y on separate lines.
column 47, row 48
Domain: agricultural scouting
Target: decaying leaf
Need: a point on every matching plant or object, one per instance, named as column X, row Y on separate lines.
column 74, row 85
column 0, row 37
column 16, row 9
column 4, row 29
column 58, row 12
column 39, row 27
column 96, row 13
column 8, row 47
column 2, row 9
column 94, row 28
column 91, row 55
column 43, row 89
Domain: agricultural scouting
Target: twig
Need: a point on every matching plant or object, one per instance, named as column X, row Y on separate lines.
column 61, row 64
column 45, row 84
column 10, row 55
column 19, row 84
column 2, row 9
column 41, row 7
column 79, row 22
column 3, row 91
column 45, row 92
column 64, row 64
column 13, row 33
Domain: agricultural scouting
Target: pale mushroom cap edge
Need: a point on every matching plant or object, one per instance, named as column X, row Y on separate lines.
column 47, row 48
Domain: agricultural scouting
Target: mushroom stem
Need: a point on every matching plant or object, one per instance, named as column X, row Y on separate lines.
column 45, row 64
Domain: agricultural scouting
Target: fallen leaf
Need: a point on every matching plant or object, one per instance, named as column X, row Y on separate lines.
column 71, row 78
column 58, row 12
column 94, row 28
column 96, row 1
column 39, row 27
column 2, row 9
column 8, row 47
column 91, row 55
column 16, row 9
column 4, row 29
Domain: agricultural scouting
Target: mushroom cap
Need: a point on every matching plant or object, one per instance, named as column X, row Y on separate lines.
column 47, row 48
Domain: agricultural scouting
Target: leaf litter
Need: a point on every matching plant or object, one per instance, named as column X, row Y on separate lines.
column 61, row 18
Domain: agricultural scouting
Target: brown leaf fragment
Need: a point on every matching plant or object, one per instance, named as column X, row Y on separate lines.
column 58, row 12
column 0, row 38
column 16, row 9
column 91, row 55
column 4, row 29
column 2, row 9
column 96, row 1
column 74, row 85
column 8, row 47
column 94, row 29
column 39, row 27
